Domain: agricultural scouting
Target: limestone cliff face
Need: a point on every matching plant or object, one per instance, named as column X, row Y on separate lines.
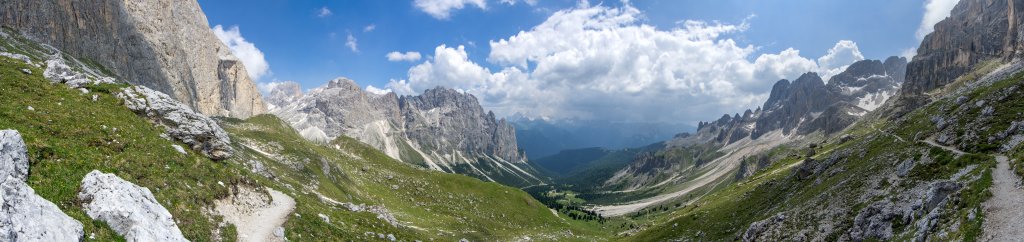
column 441, row 129
column 976, row 31
column 166, row 45
column 447, row 119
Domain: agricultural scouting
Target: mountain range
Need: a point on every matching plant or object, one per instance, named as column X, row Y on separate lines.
column 441, row 129
column 130, row 120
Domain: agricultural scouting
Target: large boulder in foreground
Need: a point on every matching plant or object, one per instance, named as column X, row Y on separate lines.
column 198, row 131
column 130, row 210
column 25, row 216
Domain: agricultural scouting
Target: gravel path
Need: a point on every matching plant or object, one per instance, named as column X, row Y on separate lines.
column 931, row 141
column 1004, row 212
column 254, row 219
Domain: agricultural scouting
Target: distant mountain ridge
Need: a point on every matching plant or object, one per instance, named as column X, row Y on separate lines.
column 540, row 138
column 441, row 129
column 804, row 106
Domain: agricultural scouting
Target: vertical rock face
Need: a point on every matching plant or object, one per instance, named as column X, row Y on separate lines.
column 441, row 129
column 130, row 210
column 166, row 45
column 805, row 95
column 976, row 30
column 25, row 216
column 447, row 119
column 896, row 67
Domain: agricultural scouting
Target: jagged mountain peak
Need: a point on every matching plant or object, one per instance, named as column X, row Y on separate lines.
column 794, row 106
column 808, row 80
column 441, row 129
column 284, row 93
column 343, row 83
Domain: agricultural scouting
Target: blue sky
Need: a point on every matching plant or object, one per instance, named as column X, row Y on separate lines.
column 302, row 43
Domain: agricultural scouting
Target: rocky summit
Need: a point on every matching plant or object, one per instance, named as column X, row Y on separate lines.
column 166, row 45
column 441, row 129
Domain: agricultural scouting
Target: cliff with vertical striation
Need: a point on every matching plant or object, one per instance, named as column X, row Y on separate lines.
column 975, row 31
column 441, row 129
column 166, row 45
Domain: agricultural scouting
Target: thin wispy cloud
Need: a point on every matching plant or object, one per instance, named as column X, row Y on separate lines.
column 324, row 12
column 442, row 9
column 352, row 43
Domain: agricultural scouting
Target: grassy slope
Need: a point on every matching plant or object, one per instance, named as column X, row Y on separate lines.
column 438, row 205
column 69, row 135
column 726, row 214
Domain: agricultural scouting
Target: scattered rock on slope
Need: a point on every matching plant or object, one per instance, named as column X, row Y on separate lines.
column 25, row 216
column 130, row 210
column 196, row 130
column 58, row 71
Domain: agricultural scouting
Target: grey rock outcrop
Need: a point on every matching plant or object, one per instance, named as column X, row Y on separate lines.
column 757, row 230
column 199, row 132
column 128, row 209
column 13, row 155
column 58, row 71
column 25, row 216
column 876, row 220
column 16, row 56
column 442, row 129
column 283, row 94
column 166, row 45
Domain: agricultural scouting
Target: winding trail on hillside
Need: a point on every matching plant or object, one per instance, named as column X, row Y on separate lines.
column 253, row 220
column 931, row 142
column 1004, row 219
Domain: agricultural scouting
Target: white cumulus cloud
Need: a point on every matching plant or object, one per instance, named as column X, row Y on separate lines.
column 378, row 91
column 407, row 56
column 450, row 67
column 604, row 63
column 255, row 64
column 442, row 9
column 844, row 53
column 369, row 28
